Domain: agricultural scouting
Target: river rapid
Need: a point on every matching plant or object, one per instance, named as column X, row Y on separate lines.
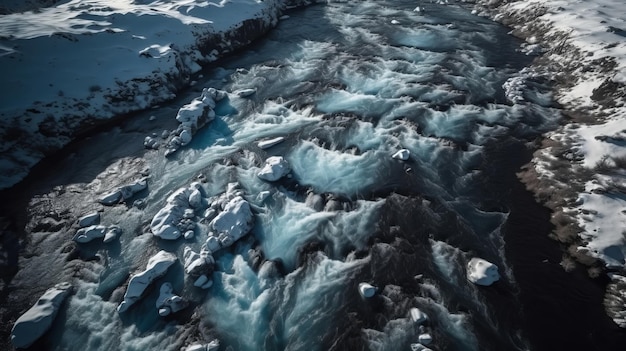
column 347, row 88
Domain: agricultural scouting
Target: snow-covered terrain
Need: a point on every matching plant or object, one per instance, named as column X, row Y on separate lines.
column 580, row 171
column 338, row 195
column 70, row 66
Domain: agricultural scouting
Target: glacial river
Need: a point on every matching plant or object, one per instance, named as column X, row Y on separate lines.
column 347, row 88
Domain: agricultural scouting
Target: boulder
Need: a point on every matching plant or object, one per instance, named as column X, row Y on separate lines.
column 157, row 266
column 275, row 168
column 85, row 235
column 197, row 264
column 235, row 221
column 482, row 272
column 38, row 319
column 89, row 219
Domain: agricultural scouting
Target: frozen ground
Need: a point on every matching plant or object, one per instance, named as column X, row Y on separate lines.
column 580, row 171
column 67, row 67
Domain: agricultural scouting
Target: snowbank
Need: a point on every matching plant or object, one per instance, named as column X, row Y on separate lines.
column 579, row 172
column 76, row 63
column 38, row 319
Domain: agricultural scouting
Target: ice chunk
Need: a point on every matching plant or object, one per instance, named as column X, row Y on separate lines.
column 236, row 219
column 111, row 198
column 245, row 92
column 367, row 290
column 38, row 319
column 402, row 154
column 164, row 222
column 266, row 144
column 85, row 235
column 482, row 272
column 176, row 217
column 124, row 192
column 197, row 264
column 212, row 346
column 425, row 339
column 419, row 347
column 89, row 220
column 418, row 316
column 168, row 302
column 157, row 266
column 275, row 168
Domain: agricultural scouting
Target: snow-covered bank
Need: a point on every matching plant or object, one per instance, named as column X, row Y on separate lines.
column 68, row 67
column 580, row 171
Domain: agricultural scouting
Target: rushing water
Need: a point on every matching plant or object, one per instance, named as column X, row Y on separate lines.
column 346, row 88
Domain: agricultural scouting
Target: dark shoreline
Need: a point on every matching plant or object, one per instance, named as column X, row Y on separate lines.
column 561, row 310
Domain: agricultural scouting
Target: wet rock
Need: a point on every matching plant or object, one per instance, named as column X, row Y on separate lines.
column 89, row 220
column 157, row 266
column 38, row 319
column 85, row 235
column 168, row 302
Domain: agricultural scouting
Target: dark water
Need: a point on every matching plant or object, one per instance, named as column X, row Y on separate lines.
column 346, row 88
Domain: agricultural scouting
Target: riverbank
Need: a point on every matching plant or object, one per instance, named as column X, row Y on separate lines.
column 75, row 65
column 579, row 172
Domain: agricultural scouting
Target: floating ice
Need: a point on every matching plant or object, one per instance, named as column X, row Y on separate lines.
column 425, row 339
column 419, row 347
column 482, row 272
column 157, row 266
column 275, row 168
column 212, row 346
column 168, row 302
column 245, row 92
column 266, row 144
column 417, row 316
column 367, row 290
column 402, row 154
column 38, row 319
